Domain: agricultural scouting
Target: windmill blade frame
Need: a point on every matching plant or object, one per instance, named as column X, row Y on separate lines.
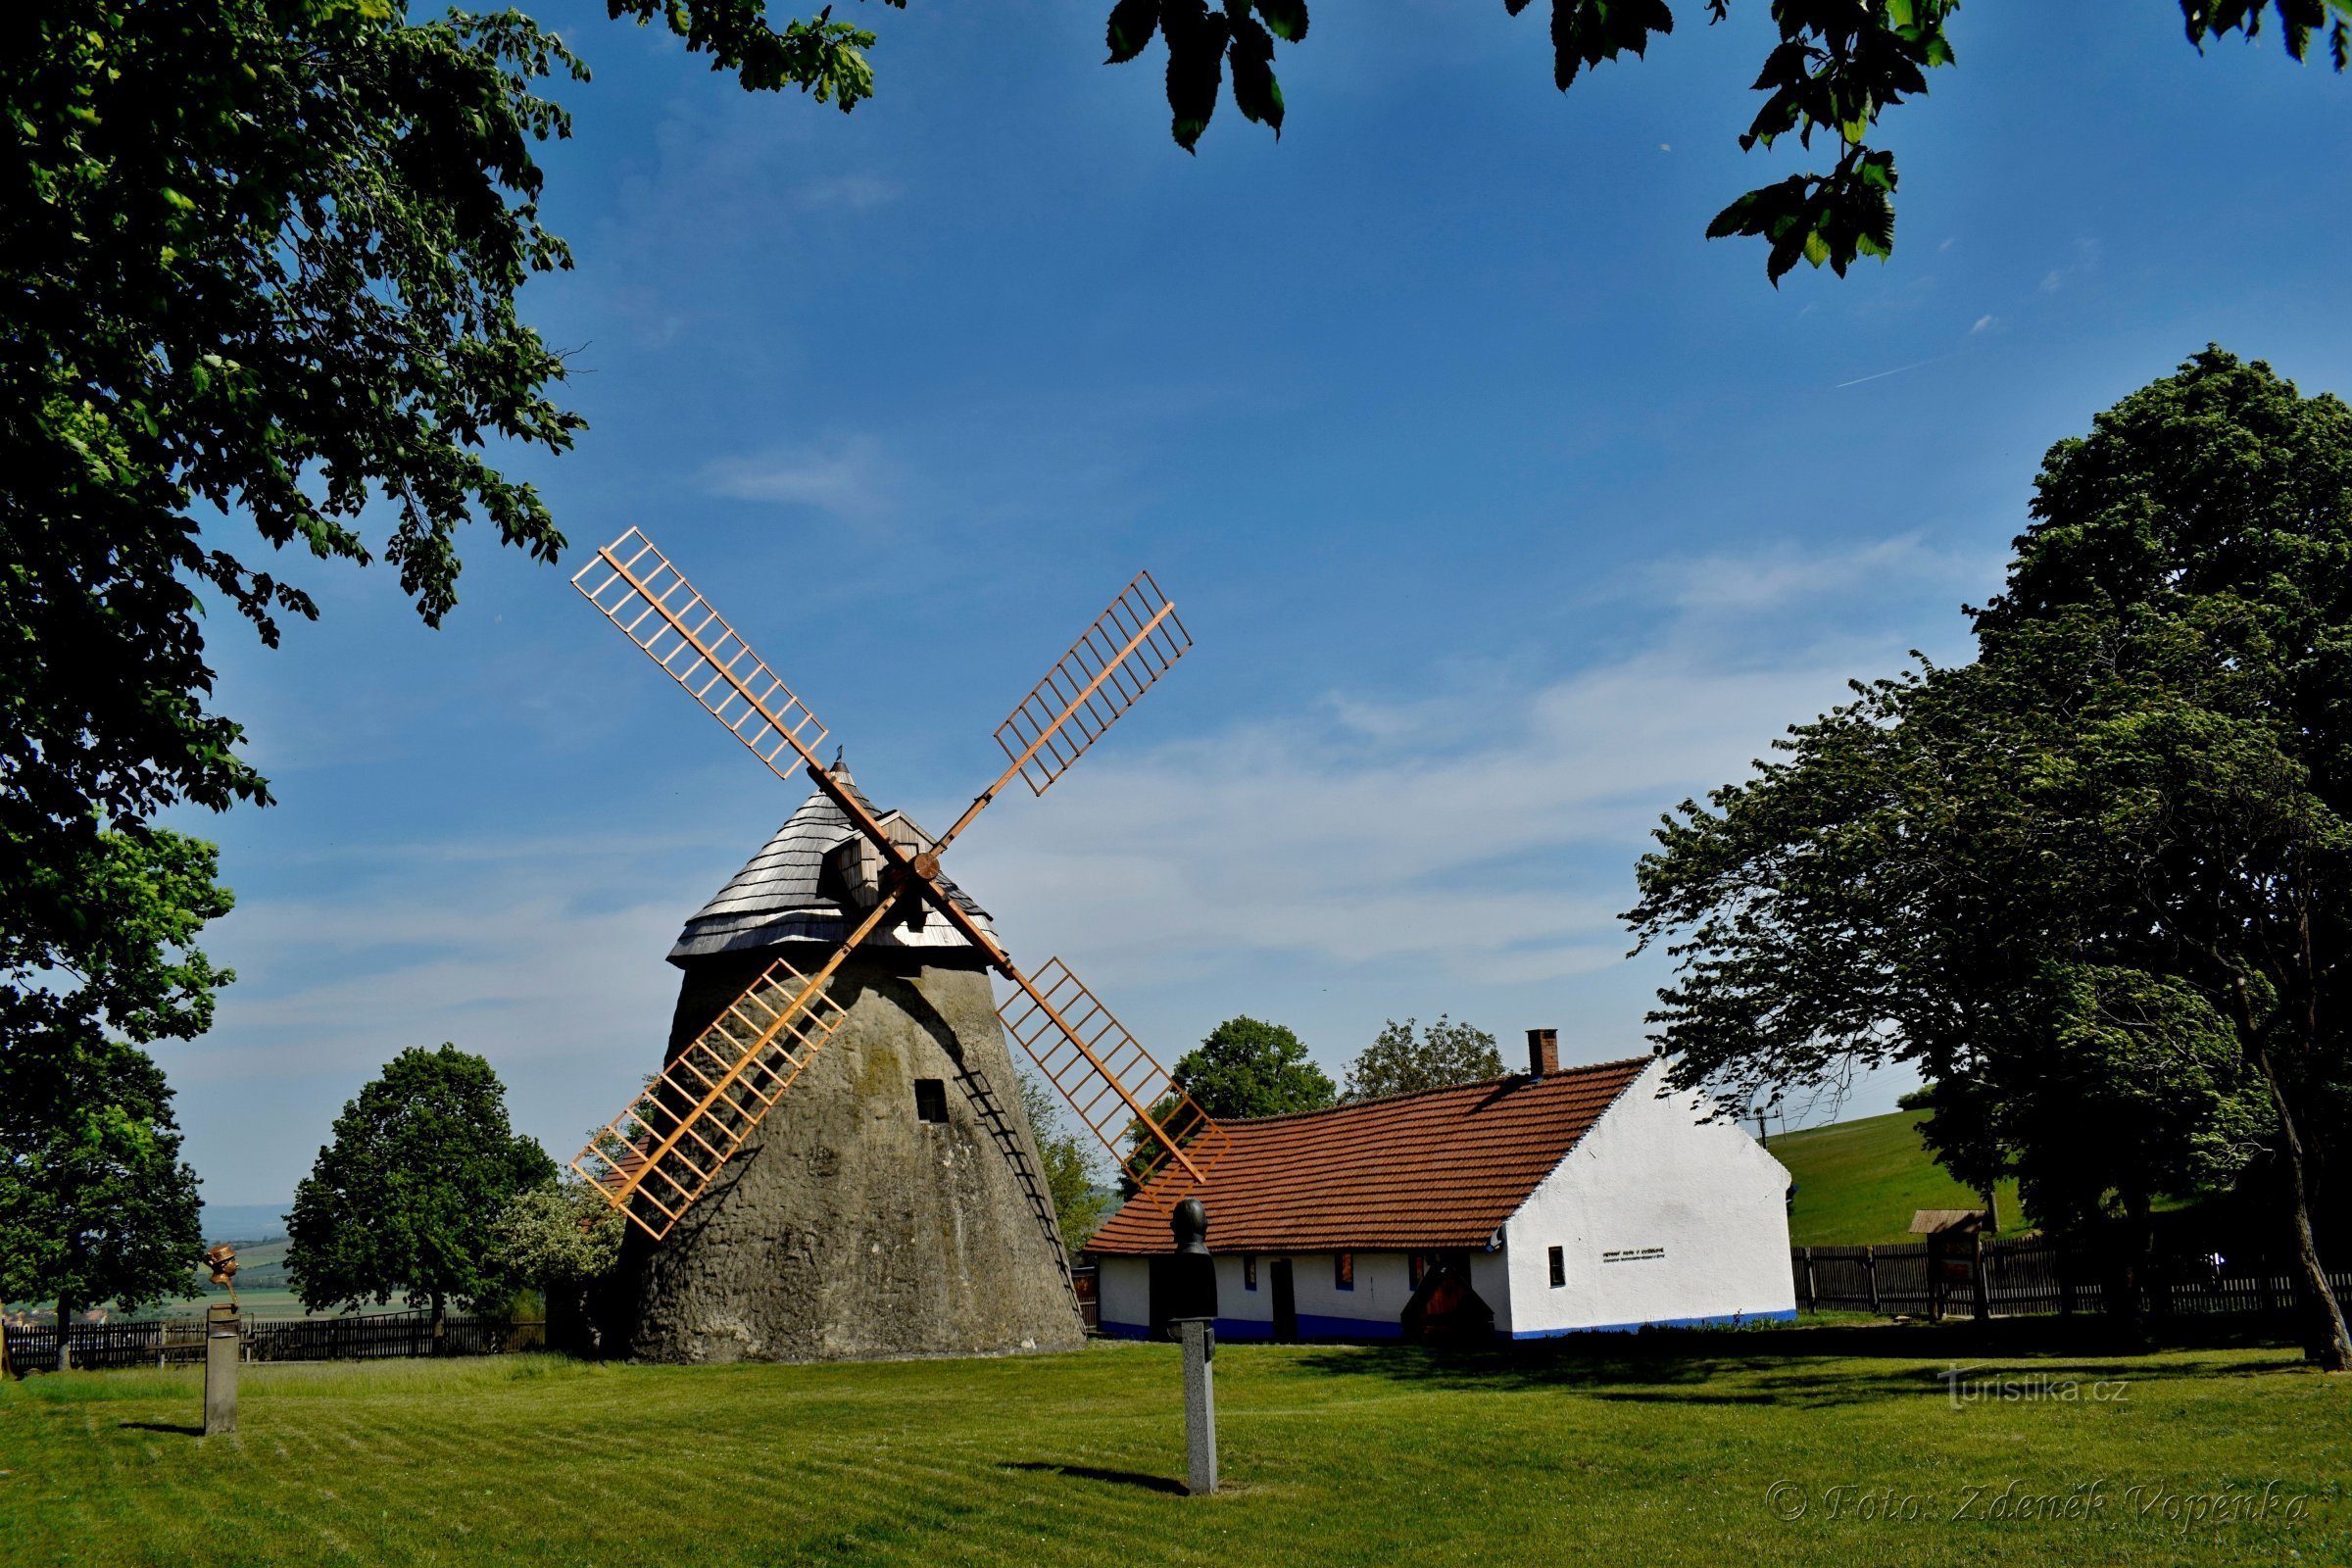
column 1084, row 1050
column 1120, row 655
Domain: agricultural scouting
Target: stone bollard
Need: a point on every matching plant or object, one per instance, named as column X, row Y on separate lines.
column 221, row 1346
column 1194, row 1314
column 1200, row 1405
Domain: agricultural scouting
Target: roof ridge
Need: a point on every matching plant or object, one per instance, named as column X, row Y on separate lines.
column 1580, row 1069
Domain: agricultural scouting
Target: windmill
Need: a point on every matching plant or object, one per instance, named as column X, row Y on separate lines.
column 661, row 1156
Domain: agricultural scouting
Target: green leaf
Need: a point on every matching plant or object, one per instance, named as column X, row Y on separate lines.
column 1256, row 92
column 1195, row 40
column 1286, row 18
column 1132, row 25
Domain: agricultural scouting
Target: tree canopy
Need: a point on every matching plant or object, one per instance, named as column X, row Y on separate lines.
column 95, row 1202
column 560, row 1232
column 1405, row 1057
column 408, row 1197
column 2061, row 878
column 1246, row 1067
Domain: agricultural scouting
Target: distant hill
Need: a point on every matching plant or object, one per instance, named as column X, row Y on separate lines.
column 1859, row 1182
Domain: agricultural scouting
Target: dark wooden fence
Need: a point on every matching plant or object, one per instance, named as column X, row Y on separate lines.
column 173, row 1342
column 2030, row 1275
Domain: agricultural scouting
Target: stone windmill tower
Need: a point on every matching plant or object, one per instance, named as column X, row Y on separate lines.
column 834, row 1160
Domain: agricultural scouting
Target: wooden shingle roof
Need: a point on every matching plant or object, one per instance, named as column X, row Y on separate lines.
column 781, row 895
column 1439, row 1169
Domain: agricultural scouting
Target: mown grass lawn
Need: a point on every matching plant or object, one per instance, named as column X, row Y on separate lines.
column 1687, row 1451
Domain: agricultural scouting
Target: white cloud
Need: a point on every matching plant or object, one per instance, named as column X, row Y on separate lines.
column 1485, row 834
column 1985, row 324
column 1784, row 574
column 846, row 477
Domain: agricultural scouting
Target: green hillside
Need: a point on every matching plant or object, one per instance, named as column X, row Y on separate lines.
column 1859, row 1182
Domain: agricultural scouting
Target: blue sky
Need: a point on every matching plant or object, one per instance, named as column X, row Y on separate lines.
column 1506, row 511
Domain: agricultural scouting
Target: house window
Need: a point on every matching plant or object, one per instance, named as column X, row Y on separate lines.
column 1249, row 1271
column 930, row 1100
column 1559, row 1267
column 1343, row 1270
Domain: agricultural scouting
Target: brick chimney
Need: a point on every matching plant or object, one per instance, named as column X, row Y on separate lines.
column 1542, row 1052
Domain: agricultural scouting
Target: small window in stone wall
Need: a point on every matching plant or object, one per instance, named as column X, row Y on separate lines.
column 1249, row 1271
column 930, row 1100
column 1343, row 1270
column 1559, row 1267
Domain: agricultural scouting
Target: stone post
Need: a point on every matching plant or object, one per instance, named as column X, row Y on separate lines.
column 1193, row 1284
column 220, row 1346
column 1200, row 1405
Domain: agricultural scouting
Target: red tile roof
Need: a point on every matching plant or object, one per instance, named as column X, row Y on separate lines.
column 1442, row 1168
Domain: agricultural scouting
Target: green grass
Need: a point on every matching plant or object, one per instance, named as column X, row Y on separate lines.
column 1859, row 1182
column 1662, row 1453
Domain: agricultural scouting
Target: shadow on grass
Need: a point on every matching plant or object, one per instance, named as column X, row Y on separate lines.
column 161, row 1426
column 1782, row 1365
column 1087, row 1472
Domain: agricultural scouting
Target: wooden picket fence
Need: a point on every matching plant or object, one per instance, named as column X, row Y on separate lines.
column 175, row 1342
column 2028, row 1275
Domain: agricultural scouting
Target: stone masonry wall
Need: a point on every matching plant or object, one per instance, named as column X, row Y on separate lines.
column 847, row 1228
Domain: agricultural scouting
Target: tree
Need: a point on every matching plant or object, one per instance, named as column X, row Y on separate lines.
column 407, row 1195
column 95, row 1202
column 560, row 1239
column 97, row 956
column 1400, row 1062
column 1249, row 1068
column 2065, row 865
column 1069, row 1164
column 1837, row 65
column 558, row 1231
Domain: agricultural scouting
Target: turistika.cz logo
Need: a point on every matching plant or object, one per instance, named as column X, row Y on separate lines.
column 2034, row 1388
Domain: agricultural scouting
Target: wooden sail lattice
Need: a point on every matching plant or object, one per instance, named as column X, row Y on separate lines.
column 658, row 1157
column 1113, row 662
column 654, row 1160
column 655, row 608
column 1088, row 1055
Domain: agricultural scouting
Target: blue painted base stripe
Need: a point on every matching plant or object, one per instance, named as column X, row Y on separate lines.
column 1726, row 1320
column 1314, row 1327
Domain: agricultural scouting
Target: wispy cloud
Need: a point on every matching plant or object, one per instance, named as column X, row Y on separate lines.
column 1485, row 834
column 846, row 477
column 1784, row 574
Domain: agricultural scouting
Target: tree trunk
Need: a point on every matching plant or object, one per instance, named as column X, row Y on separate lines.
column 440, row 1323
column 2133, row 1256
column 2326, row 1341
column 64, row 1331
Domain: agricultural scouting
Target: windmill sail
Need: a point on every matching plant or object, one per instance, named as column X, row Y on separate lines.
column 654, row 1160
column 660, row 1155
column 1122, row 1095
column 1111, row 664
column 654, row 604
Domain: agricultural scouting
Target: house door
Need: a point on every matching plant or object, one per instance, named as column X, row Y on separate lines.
column 1286, row 1302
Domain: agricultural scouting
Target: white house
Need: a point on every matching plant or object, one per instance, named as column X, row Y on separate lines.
column 1557, row 1200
